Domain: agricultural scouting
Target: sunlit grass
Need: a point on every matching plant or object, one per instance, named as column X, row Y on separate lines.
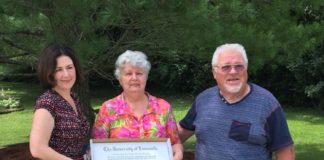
column 306, row 125
column 15, row 126
column 307, row 129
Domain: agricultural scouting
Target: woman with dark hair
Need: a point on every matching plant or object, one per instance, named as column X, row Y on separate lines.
column 59, row 128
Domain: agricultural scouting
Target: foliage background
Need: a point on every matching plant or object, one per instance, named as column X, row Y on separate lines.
column 283, row 39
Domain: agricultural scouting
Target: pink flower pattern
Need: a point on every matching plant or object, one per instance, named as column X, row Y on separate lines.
column 116, row 120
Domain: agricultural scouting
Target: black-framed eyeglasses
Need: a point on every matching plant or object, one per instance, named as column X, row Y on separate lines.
column 227, row 67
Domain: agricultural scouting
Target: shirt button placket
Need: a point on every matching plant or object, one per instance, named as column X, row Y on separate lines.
column 141, row 129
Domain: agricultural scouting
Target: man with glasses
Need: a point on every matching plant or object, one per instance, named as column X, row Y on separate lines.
column 236, row 120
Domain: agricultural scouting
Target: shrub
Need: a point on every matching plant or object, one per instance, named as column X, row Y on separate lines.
column 9, row 103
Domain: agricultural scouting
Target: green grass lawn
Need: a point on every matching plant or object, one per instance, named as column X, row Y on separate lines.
column 15, row 126
column 306, row 126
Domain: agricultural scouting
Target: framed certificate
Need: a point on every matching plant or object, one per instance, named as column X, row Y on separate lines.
column 131, row 149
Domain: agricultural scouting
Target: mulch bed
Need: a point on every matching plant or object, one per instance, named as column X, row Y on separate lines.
column 20, row 151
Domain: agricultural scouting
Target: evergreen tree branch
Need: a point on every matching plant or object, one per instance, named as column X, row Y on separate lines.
column 15, row 45
column 37, row 32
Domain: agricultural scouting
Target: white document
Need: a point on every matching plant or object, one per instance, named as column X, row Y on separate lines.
column 131, row 149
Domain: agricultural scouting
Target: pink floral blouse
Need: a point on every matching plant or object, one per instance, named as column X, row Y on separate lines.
column 116, row 120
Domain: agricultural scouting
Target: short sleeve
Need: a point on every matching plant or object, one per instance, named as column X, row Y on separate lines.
column 188, row 120
column 277, row 129
column 46, row 102
column 101, row 126
column 172, row 129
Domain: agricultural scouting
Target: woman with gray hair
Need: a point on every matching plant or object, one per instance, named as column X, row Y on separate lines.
column 135, row 113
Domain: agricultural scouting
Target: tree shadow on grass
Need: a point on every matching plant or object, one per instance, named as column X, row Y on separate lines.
column 309, row 151
column 308, row 115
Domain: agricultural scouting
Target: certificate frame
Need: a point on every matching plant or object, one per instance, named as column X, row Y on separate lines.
column 131, row 149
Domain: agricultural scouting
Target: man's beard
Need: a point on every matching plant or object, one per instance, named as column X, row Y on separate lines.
column 233, row 89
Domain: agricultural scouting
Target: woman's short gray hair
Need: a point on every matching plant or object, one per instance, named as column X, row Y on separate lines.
column 231, row 46
column 134, row 58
